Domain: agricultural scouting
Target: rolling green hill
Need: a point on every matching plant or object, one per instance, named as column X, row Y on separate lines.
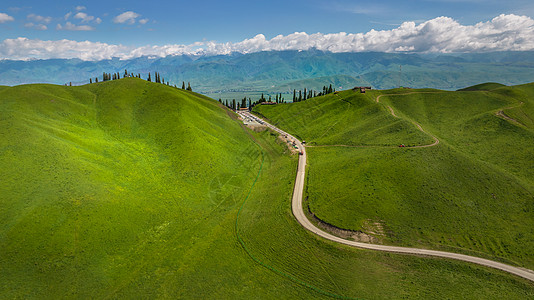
column 102, row 183
column 131, row 189
column 483, row 87
column 346, row 118
column 471, row 193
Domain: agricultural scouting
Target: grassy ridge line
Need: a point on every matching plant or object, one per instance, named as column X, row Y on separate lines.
column 436, row 140
column 483, row 87
column 346, row 118
column 525, row 113
column 501, row 114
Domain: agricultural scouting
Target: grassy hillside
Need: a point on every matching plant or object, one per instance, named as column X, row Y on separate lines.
column 274, row 237
column 130, row 189
column 471, row 193
column 483, row 87
column 104, row 182
column 524, row 112
column 343, row 81
column 346, row 118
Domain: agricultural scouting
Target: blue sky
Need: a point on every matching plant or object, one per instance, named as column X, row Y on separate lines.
column 186, row 22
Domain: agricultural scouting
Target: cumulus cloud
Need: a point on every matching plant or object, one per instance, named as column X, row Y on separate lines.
column 39, row 19
column 41, row 27
column 443, row 34
column 439, row 35
column 79, row 8
column 127, row 17
column 5, row 18
column 143, row 21
column 36, row 26
column 24, row 48
column 72, row 27
column 84, row 17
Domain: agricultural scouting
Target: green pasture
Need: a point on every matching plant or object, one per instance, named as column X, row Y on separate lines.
column 131, row 189
column 472, row 193
column 347, row 118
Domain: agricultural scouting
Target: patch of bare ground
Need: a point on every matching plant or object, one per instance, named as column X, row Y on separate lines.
column 373, row 231
column 289, row 144
column 257, row 127
column 392, row 111
column 373, row 227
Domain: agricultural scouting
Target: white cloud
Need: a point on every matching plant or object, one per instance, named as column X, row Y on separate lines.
column 24, row 48
column 98, row 20
column 41, row 27
column 79, row 8
column 443, row 34
column 439, row 35
column 127, row 17
column 39, row 19
column 84, row 17
column 67, row 15
column 5, row 18
column 143, row 21
column 36, row 26
column 72, row 27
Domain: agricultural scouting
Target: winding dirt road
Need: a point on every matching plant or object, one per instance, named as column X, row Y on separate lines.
column 298, row 212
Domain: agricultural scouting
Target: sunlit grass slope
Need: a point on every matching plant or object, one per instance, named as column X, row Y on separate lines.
column 344, row 118
column 130, row 189
column 273, row 236
column 473, row 193
column 483, row 87
column 123, row 188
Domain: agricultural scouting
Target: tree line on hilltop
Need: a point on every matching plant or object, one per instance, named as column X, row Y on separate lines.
column 157, row 78
column 303, row 95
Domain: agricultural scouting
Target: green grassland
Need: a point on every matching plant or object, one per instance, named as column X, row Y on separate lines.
column 483, row 87
column 345, row 118
column 111, row 189
column 472, row 193
column 131, row 189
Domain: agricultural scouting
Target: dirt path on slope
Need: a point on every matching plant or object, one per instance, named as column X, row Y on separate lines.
column 392, row 112
column 436, row 140
column 501, row 114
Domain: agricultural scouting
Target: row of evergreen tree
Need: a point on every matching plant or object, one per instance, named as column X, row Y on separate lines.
column 307, row 94
column 248, row 103
column 157, row 78
column 302, row 96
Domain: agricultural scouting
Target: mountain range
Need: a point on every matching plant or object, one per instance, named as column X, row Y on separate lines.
column 235, row 75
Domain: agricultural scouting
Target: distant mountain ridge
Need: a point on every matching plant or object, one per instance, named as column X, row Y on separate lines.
column 281, row 71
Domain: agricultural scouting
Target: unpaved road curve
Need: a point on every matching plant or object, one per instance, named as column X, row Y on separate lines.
column 298, row 212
